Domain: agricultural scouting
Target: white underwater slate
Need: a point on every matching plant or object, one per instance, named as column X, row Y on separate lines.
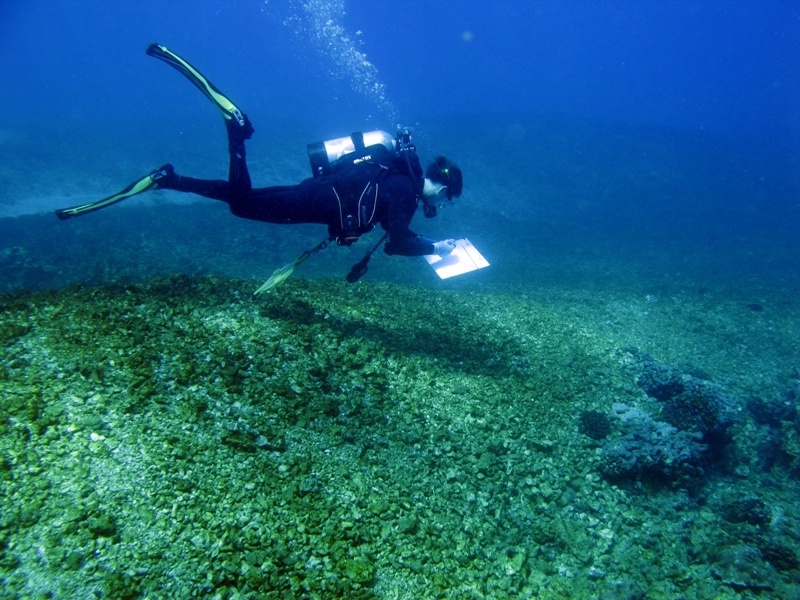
column 463, row 259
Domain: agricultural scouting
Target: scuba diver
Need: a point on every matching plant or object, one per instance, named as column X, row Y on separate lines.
column 358, row 181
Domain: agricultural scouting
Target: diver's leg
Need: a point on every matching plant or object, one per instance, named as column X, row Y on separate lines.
column 215, row 189
column 308, row 202
column 238, row 175
column 234, row 191
column 304, row 203
column 239, row 130
column 237, row 124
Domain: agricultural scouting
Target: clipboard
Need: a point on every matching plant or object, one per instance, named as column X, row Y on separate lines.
column 463, row 259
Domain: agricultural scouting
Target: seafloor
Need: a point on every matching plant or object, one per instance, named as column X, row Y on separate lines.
column 609, row 411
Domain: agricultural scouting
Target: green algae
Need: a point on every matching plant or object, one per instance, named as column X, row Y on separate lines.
column 178, row 439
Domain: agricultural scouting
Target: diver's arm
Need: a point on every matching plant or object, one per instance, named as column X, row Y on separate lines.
column 409, row 246
column 399, row 193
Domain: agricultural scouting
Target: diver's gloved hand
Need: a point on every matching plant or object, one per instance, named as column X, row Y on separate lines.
column 444, row 247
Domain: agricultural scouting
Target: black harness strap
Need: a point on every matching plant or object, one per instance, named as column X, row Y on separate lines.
column 356, row 214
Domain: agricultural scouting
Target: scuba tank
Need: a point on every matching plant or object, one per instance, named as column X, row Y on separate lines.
column 322, row 155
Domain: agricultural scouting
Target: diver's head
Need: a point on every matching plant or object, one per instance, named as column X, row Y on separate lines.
column 443, row 179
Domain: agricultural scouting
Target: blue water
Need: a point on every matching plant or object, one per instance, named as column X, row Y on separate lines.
column 723, row 66
column 638, row 158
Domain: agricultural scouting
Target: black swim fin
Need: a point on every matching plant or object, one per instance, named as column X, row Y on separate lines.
column 148, row 182
column 226, row 107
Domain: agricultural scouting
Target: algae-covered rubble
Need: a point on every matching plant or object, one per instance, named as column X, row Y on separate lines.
column 180, row 439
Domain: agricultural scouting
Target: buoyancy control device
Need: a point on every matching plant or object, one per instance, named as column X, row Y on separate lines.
column 366, row 154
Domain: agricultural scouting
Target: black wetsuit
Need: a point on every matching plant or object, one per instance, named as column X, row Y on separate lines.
column 314, row 200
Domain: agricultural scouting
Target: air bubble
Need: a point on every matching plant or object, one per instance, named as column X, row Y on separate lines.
column 320, row 22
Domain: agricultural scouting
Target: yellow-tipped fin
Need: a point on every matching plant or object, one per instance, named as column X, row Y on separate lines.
column 137, row 187
column 281, row 274
column 226, row 107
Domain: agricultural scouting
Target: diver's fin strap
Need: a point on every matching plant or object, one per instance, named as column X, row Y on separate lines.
column 228, row 108
column 137, row 187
